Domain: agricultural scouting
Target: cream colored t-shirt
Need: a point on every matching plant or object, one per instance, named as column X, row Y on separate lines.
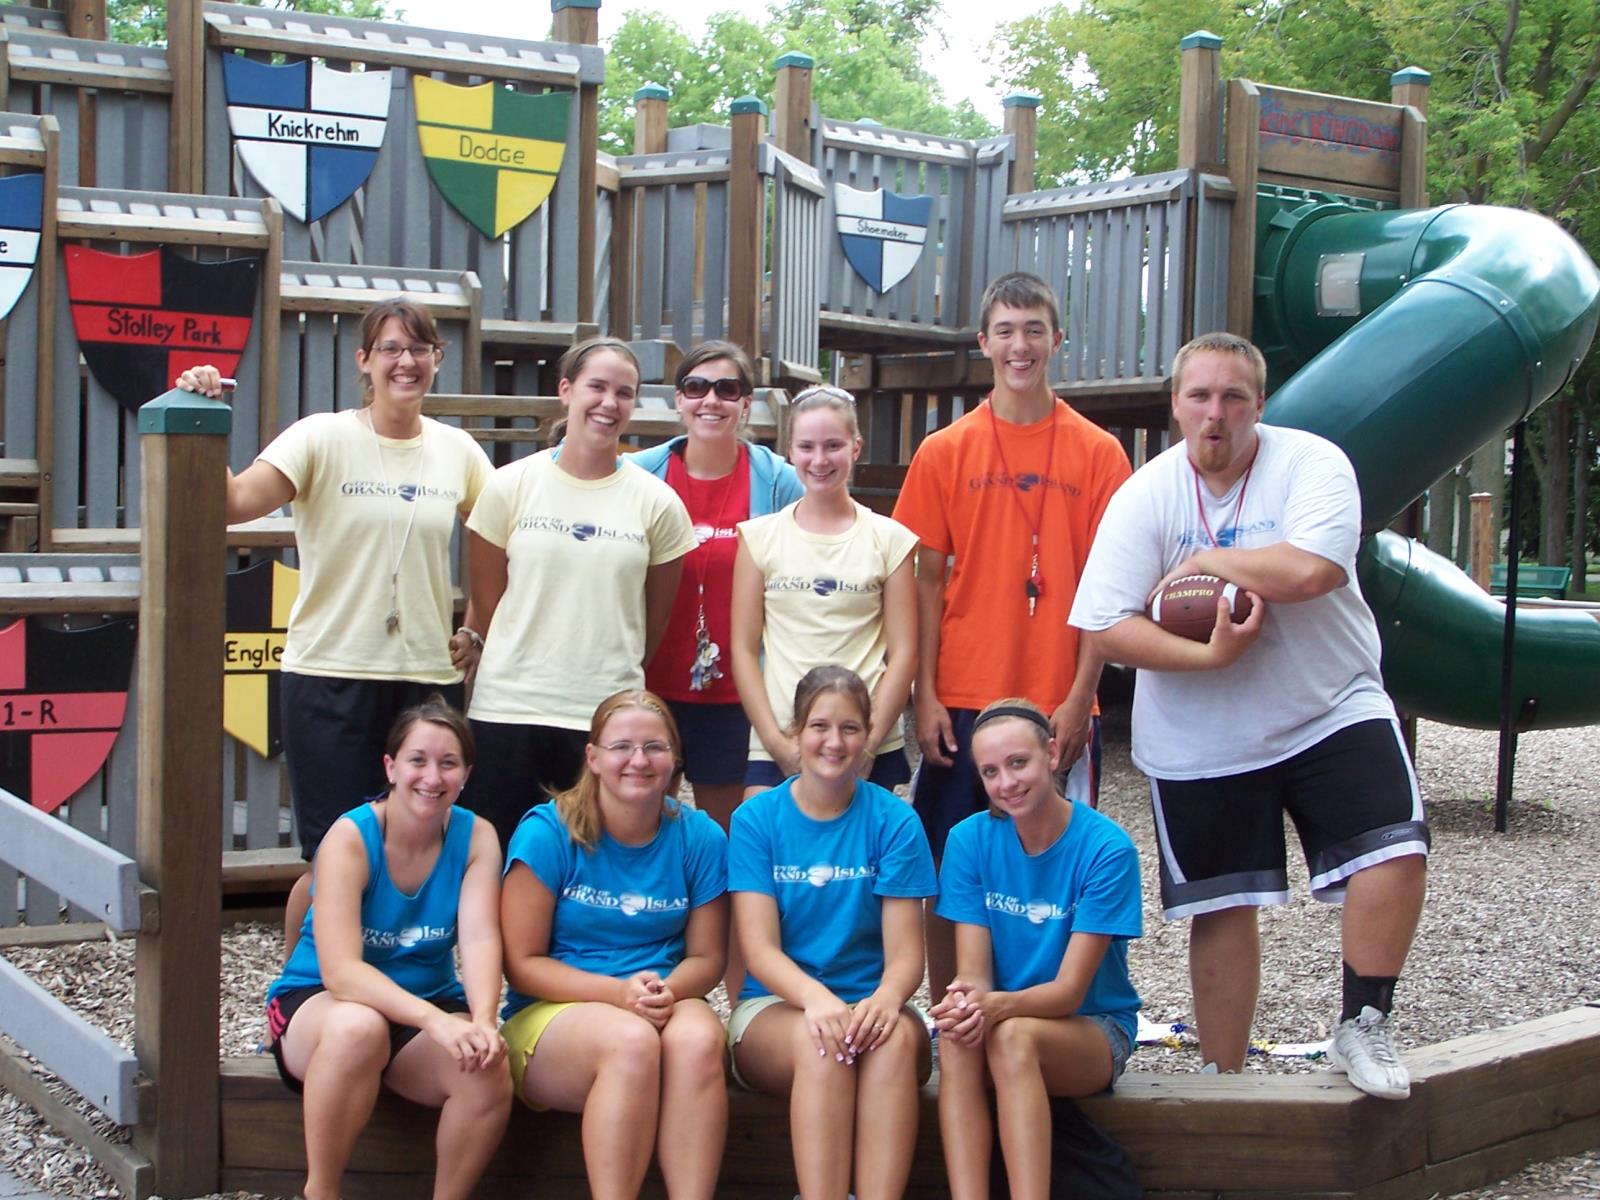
column 355, row 493
column 824, row 602
column 570, row 629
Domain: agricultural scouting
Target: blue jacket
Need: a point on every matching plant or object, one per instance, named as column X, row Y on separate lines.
column 773, row 483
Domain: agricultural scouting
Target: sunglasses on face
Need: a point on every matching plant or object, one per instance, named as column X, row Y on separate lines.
column 696, row 387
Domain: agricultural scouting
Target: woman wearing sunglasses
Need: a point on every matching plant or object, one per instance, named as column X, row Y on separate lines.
column 722, row 479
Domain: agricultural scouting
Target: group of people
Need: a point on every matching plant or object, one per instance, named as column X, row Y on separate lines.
column 781, row 628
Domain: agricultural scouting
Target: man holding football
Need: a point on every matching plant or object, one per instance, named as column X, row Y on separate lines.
column 1283, row 711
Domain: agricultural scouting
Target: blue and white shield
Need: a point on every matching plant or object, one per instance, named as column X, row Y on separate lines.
column 21, row 211
column 882, row 232
column 307, row 134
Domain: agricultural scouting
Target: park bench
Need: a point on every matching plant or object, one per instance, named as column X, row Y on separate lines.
column 1532, row 580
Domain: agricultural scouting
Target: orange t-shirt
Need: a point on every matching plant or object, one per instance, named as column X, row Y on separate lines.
column 959, row 498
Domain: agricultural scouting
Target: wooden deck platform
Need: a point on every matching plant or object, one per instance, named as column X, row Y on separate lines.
column 1481, row 1108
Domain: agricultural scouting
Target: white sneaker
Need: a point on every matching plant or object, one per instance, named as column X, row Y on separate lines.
column 1363, row 1048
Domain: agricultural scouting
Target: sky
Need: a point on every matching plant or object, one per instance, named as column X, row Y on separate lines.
column 954, row 63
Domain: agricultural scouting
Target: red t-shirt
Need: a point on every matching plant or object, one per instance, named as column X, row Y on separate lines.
column 716, row 506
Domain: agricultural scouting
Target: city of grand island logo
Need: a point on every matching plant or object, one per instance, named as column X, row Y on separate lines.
column 258, row 602
column 882, row 232
column 63, row 695
column 21, row 214
column 143, row 319
column 493, row 153
column 307, row 134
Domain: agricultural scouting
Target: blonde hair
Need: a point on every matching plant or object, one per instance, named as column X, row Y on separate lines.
column 1221, row 343
column 1040, row 729
column 579, row 806
column 825, row 396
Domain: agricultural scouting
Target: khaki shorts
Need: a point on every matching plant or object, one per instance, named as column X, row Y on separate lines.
column 747, row 1011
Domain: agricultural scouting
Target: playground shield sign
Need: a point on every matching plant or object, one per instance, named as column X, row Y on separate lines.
column 306, row 133
column 882, row 232
column 21, row 214
column 141, row 319
column 63, row 695
column 258, row 602
column 493, row 153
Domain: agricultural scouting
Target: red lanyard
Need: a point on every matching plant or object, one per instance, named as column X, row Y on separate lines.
column 1034, row 588
column 1238, row 507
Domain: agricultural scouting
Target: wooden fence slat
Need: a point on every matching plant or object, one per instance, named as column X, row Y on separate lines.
column 79, row 1053
column 52, row 853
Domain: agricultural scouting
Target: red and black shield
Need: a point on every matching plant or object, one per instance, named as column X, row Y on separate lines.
column 143, row 318
column 63, row 694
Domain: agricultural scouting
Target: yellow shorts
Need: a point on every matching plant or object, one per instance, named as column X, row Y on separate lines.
column 522, row 1033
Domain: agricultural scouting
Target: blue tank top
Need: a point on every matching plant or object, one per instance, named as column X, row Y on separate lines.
column 410, row 938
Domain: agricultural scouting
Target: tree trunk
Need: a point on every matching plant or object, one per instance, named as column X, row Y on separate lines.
column 1555, row 490
column 1442, row 515
column 1578, row 549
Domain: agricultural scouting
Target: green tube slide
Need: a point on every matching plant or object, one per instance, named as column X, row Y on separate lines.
column 1423, row 334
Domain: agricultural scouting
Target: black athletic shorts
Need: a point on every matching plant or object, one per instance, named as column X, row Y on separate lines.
column 1352, row 797
column 520, row 766
column 281, row 1010
column 716, row 741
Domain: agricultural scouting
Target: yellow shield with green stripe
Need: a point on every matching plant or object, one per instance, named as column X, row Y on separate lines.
column 493, row 153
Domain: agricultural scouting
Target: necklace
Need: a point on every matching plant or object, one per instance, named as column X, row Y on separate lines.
column 1238, row 505
column 704, row 671
column 1034, row 587
column 392, row 621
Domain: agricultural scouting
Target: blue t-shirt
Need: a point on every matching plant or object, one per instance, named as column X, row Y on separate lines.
column 1087, row 882
column 828, row 877
column 621, row 909
column 410, row 938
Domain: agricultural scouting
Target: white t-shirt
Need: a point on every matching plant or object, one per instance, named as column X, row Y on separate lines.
column 570, row 629
column 824, row 602
column 1313, row 670
column 355, row 494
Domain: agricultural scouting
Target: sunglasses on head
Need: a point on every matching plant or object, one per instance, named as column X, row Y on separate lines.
column 696, row 387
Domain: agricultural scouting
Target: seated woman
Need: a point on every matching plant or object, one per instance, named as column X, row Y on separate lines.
column 1044, row 894
column 828, row 873
column 398, row 883
column 615, row 929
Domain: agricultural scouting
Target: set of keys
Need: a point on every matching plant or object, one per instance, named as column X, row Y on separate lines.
column 703, row 672
column 1034, row 587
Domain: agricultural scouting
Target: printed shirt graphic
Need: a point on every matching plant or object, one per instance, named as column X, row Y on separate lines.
column 569, row 630
column 21, row 212
column 409, row 936
column 306, row 133
column 63, row 697
column 828, row 879
column 143, row 319
column 1313, row 670
column 349, row 523
column 493, row 153
column 882, row 232
column 259, row 599
column 621, row 909
column 824, row 601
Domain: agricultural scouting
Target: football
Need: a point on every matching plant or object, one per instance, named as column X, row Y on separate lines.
column 1187, row 606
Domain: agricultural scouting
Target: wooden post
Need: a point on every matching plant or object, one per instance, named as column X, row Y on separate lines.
column 1022, row 123
column 1244, row 151
column 650, row 119
column 1484, row 550
column 182, row 546
column 87, row 19
column 791, row 119
column 1410, row 88
column 46, row 282
column 271, row 342
column 577, row 22
column 747, row 226
column 1200, row 101
column 186, row 57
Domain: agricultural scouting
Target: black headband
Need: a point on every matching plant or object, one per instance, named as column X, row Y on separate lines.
column 1012, row 710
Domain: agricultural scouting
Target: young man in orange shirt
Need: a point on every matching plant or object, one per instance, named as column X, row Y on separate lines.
column 1005, row 502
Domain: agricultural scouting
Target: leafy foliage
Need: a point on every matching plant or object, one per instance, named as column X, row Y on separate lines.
column 144, row 22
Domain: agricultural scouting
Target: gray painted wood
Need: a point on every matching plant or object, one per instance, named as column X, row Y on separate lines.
column 68, row 381
column 78, row 1053
column 71, row 861
column 22, row 373
column 682, row 208
column 652, row 262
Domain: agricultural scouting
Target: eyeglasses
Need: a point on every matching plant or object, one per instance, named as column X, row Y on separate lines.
column 626, row 750
column 695, row 387
column 418, row 352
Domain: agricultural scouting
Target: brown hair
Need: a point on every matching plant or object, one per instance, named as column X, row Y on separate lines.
column 414, row 319
column 1221, row 343
column 432, row 711
column 712, row 351
column 1040, row 730
column 826, row 396
column 1019, row 289
column 579, row 806
column 820, row 680
column 571, row 366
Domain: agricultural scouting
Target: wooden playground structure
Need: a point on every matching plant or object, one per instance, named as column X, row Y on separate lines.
column 702, row 232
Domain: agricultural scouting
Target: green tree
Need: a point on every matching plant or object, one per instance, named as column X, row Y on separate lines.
column 144, row 22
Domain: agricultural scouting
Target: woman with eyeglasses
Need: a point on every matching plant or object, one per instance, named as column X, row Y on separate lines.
column 722, row 479
column 614, row 918
column 376, row 492
column 826, row 581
